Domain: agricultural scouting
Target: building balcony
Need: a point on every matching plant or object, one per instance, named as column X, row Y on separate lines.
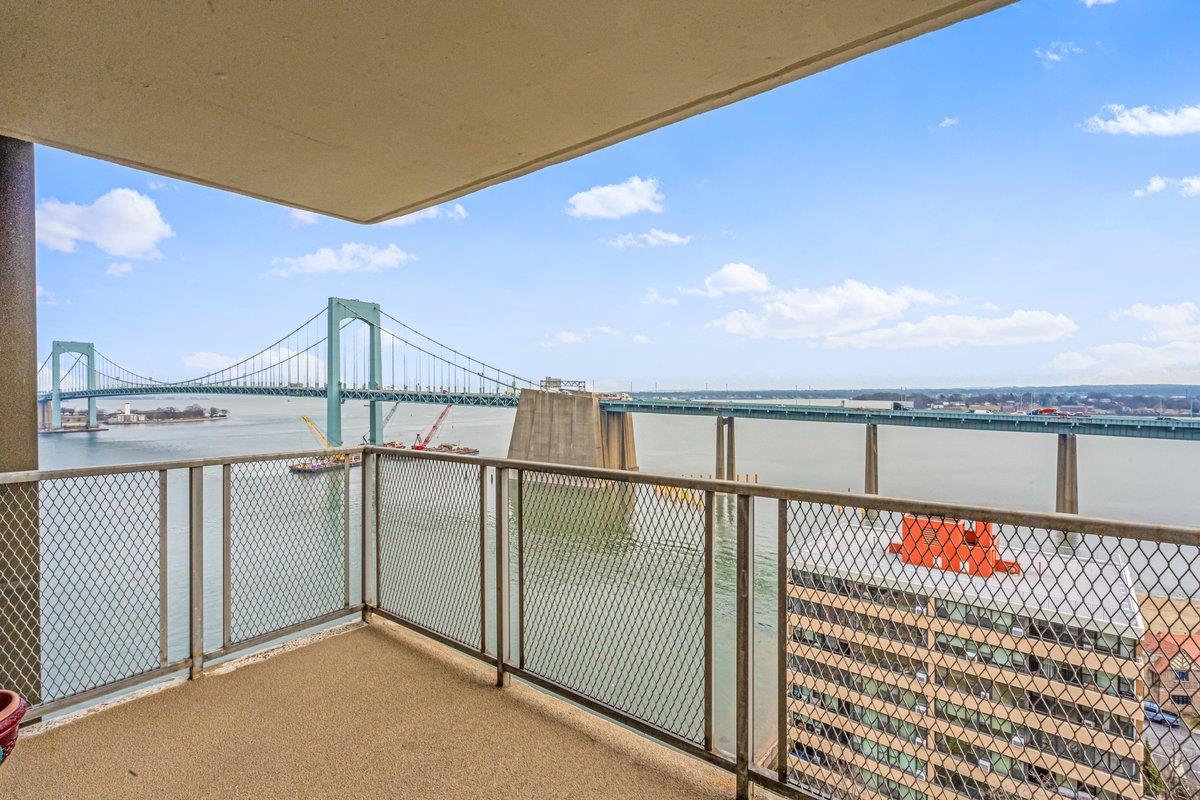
column 514, row 611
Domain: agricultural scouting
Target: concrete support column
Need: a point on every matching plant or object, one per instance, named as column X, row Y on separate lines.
column 20, row 597
column 730, row 453
column 871, row 476
column 719, row 472
column 1066, row 495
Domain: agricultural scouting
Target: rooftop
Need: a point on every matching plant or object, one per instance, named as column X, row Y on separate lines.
column 1082, row 591
column 371, row 711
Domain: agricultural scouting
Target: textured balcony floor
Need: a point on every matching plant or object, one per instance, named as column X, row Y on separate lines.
column 372, row 712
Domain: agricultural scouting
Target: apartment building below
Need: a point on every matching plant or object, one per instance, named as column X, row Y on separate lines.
column 933, row 660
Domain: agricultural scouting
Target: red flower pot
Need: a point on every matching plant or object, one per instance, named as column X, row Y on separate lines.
column 12, row 708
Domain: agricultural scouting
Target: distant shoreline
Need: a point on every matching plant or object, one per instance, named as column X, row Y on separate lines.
column 163, row 421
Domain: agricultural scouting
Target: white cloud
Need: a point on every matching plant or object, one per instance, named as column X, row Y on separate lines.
column 1056, row 52
column 1145, row 121
column 651, row 238
column 1153, row 186
column 641, row 340
column 733, row 278
column 208, row 362
column 155, row 186
column 564, row 337
column 579, row 337
column 1168, row 322
column 654, row 298
column 350, row 257
column 455, row 212
column 298, row 217
column 47, row 297
column 1173, row 355
column 1072, row 360
column 1094, row 3
column 948, row 122
column 955, row 330
column 119, row 269
column 122, row 222
column 816, row 314
column 1128, row 362
column 1187, row 187
column 617, row 200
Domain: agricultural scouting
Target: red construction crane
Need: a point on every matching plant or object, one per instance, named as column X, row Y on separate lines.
column 437, row 423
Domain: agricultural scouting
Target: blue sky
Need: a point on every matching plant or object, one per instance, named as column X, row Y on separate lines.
column 1012, row 200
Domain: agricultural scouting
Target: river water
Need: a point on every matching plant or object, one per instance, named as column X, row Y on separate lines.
column 1131, row 479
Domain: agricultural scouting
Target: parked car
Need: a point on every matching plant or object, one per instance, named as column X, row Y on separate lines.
column 1156, row 713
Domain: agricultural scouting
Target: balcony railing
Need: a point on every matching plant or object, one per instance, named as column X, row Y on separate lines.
column 909, row 639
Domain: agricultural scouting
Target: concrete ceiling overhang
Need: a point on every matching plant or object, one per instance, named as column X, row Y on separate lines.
column 373, row 109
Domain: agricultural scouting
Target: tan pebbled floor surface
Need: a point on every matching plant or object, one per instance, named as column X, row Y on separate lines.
column 373, row 712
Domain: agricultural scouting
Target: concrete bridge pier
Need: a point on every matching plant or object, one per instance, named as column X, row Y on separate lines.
column 1066, row 487
column 571, row 428
column 726, row 460
column 871, row 476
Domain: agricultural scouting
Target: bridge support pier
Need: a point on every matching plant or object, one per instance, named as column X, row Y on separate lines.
column 20, row 533
column 1066, row 494
column 719, row 469
column 871, row 476
column 726, row 456
column 571, row 428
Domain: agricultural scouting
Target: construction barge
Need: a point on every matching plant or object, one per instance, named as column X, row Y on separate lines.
column 335, row 461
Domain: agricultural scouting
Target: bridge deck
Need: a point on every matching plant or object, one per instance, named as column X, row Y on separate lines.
column 1134, row 427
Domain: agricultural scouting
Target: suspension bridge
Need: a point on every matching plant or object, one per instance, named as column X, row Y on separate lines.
column 353, row 350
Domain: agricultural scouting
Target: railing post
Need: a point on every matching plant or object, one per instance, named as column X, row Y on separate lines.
column 196, row 568
column 346, row 531
column 483, row 473
column 521, row 568
column 709, row 584
column 226, row 555
column 163, row 636
column 366, row 506
column 502, row 587
column 745, row 645
column 782, row 689
column 378, row 528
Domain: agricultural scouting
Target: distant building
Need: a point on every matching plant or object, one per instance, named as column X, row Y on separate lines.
column 127, row 417
column 950, row 672
column 1174, row 671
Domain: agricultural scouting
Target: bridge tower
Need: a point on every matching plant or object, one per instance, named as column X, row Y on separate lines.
column 88, row 351
column 341, row 309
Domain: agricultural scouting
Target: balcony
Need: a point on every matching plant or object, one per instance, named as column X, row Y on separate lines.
column 370, row 711
column 633, row 597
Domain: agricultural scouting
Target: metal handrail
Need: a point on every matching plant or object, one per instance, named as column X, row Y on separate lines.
column 28, row 476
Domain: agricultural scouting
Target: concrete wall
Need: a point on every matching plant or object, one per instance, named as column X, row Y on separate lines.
column 570, row 428
column 20, row 622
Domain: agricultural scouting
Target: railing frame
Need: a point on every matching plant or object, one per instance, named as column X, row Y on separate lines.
column 505, row 472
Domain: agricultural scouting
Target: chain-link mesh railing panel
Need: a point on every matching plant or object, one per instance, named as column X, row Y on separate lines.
column 79, row 559
column 429, row 545
column 614, row 595
column 940, row 658
column 287, row 545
